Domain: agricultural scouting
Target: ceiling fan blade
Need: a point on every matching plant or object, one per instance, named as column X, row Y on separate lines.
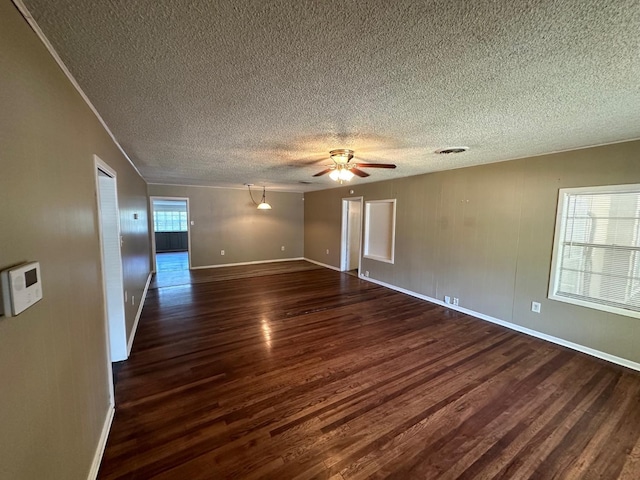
column 358, row 172
column 312, row 160
column 375, row 165
column 323, row 172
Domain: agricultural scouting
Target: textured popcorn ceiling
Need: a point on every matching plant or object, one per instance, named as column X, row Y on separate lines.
column 227, row 92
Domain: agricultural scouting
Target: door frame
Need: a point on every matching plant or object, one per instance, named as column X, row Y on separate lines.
column 344, row 240
column 153, row 230
column 100, row 165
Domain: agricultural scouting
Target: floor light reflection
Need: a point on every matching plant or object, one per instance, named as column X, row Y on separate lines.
column 266, row 332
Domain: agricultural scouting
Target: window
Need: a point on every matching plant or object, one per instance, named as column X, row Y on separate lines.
column 168, row 221
column 596, row 252
column 380, row 230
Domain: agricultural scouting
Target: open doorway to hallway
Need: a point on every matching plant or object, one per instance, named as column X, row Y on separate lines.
column 351, row 235
column 171, row 234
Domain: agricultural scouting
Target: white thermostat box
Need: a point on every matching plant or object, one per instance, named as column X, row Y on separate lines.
column 21, row 288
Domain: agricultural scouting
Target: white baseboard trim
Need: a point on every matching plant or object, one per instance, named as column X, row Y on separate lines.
column 257, row 262
column 323, row 264
column 518, row 328
column 135, row 322
column 102, row 443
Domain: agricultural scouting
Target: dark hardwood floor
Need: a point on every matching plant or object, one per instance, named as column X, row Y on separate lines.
column 173, row 270
column 309, row 373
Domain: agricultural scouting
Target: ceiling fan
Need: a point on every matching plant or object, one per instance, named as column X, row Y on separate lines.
column 343, row 171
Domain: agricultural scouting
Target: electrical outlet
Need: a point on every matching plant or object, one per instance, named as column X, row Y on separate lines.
column 133, row 299
column 447, row 299
column 456, row 301
column 126, row 298
column 221, row 252
column 535, row 307
column 327, row 251
column 366, row 273
column 282, row 248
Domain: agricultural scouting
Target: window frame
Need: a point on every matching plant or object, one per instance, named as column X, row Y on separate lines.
column 172, row 222
column 559, row 234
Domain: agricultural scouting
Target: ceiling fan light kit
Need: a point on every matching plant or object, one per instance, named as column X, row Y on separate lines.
column 341, row 174
column 341, row 155
column 342, row 171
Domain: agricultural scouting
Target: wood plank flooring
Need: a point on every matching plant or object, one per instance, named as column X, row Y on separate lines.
column 309, row 373
column 173, row 270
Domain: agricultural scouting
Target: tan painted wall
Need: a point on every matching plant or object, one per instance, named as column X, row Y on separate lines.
column 53, row 357
column 226, row 219
column 485, row 234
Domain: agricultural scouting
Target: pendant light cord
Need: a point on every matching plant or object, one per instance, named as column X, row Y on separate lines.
column 251, row 195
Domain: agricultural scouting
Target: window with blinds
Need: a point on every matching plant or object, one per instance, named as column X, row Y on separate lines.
column 169, row 221
column 596, row 254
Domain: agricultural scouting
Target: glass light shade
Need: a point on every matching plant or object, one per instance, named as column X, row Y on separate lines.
column 346, row 175
column 335, row 175
column 264, row 206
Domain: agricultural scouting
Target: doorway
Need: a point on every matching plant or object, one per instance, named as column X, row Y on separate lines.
column 171, row 235
column 111, row 258
column 351, row 235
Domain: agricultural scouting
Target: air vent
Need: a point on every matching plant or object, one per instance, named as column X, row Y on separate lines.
column 448, row 150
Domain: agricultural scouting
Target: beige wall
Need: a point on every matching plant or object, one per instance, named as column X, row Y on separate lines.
column 53, row 360
column 485, row 234
column 226, row 219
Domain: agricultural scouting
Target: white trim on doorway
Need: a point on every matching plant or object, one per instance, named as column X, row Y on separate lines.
column 347, row 231
column 113, row 283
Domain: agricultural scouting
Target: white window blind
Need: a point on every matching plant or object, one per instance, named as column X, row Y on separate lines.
column 597, row 249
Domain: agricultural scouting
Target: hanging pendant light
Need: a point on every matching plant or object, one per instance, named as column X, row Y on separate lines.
column 263, row 205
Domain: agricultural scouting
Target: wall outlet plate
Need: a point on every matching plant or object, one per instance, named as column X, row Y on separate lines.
column 447, row 299
column 456, row 301
column 535, row 307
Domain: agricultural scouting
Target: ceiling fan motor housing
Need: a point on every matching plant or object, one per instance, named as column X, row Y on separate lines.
column 341, row 155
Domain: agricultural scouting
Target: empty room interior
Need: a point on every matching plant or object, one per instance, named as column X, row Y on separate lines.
column 319, row 239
